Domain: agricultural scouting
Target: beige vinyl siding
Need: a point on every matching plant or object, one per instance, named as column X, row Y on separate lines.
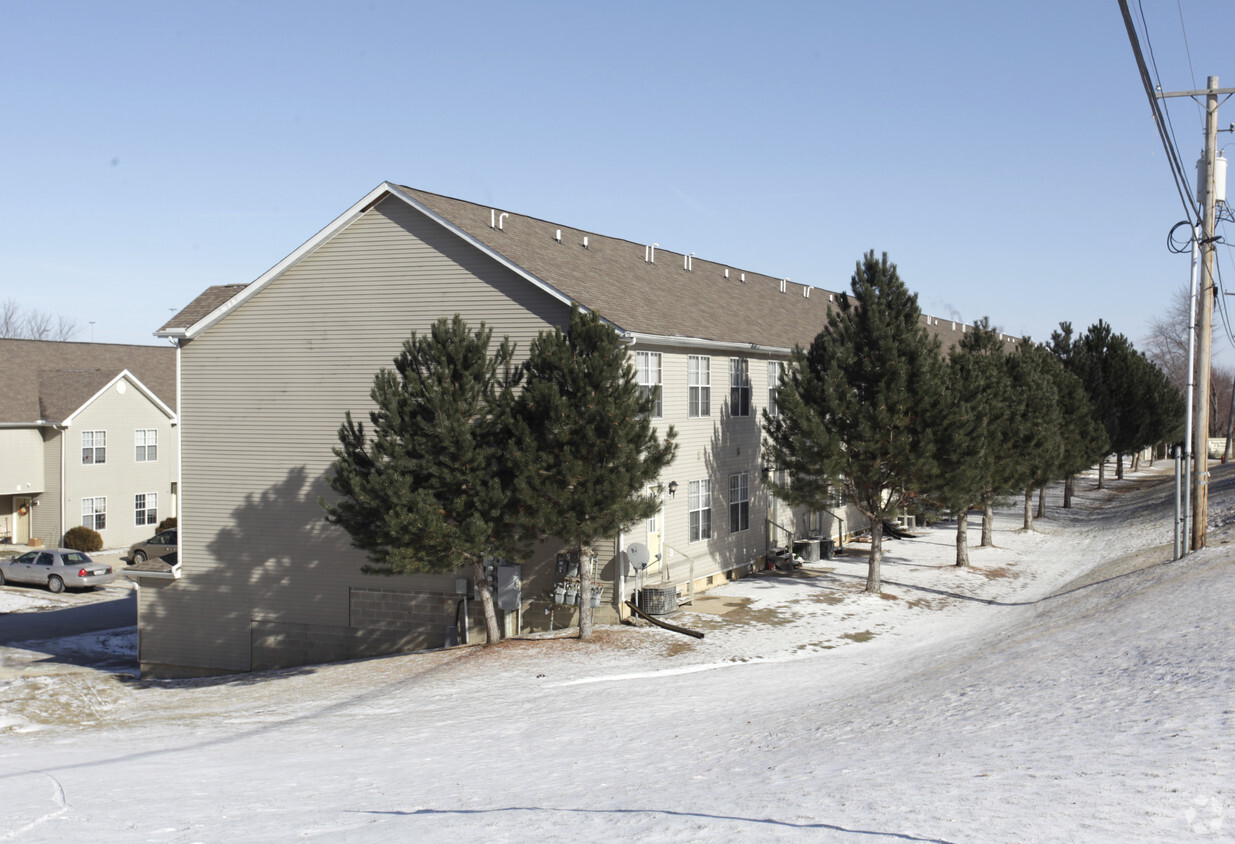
column 121, row 477
column 21, row 469
column 264, row 392
column 714, row 448
column 711, row 447
column 47, row 516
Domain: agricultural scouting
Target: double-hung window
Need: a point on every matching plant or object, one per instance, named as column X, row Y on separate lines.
column 700, row 506
column 647, row 365
column 146, row 505
column 147, row 444
column 739, row 387
column 93, row 447
column 699, row 379
column 94, row 512
column 775, row 369
column 739, row 502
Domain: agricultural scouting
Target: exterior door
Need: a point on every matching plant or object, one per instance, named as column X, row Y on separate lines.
column 654, row 525
column 21, row 524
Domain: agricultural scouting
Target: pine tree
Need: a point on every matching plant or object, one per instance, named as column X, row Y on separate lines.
column 965, row 456
column 1084, row 440
column 584, row 442
column 982, row 359
column 861, row 406
column 426, row 489
column 1036, row 445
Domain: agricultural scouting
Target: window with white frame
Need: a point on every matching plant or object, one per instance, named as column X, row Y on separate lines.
column 836, row 492
column 647, row 365
column 739, row 387
column 739, row 502
column 653, row 491
column 94, row 512
column 93, row 447
column 147, row 444
column 146, row 505
column 699, row 379
column 699, row 500
column 775, row 369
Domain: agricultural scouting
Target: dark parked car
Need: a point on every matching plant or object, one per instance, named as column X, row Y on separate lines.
column 157, row 547
column 57, row 569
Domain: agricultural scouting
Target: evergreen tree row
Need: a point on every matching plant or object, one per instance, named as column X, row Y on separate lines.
column 468, row 456
column 875, row 407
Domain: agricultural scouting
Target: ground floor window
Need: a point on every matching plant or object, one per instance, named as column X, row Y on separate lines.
column 739, row 502
column 94, row 512
column 700, row 505
column 147, row 506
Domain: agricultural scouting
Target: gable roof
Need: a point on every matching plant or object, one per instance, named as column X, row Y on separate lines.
column 47, row 382
column 641, row 289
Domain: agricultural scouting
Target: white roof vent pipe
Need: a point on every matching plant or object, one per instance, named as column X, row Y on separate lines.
column 500, row 219
column 687, row 262
column 805, row 291
column 558, row 236
column 726, row 272
column 649, row 253
column 783, row 284
column 585, row 241
column 742, row 278
column 493, row 218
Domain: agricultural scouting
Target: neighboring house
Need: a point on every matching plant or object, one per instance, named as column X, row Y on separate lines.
column 268, row 370
column 87, row 436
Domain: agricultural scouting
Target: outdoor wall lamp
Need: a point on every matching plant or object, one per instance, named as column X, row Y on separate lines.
column 673, row 488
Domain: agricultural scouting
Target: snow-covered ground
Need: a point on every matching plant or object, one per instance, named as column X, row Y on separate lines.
column 1072, row 686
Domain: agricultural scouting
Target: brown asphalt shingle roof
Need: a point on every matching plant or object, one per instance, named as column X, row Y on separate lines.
column 611, row 276
column 614, row 277
column 205, row 302
column 42, row 380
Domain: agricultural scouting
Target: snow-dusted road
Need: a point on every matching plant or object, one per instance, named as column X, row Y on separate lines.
column 1013, row 702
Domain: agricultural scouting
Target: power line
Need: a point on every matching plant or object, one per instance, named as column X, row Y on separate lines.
column 1181, row 182
column 1166, row 111
column 1187, row 52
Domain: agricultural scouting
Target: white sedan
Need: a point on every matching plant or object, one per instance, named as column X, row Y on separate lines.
column 57, row 569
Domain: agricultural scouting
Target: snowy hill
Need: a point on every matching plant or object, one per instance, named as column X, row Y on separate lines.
column 1074, row 685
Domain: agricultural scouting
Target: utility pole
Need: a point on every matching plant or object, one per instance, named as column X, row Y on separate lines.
column 1200, row 477
column 1206, row 293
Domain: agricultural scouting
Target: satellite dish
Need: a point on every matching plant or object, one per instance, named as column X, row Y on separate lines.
column 638, row 555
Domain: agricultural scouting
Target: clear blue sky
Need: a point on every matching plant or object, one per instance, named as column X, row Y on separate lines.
column 1002, row 154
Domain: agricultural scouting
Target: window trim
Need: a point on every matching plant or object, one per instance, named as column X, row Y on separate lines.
column 143, row 510
column 699, row 386
column 699, row 518
column 648, row 384
column 94, row 448
column 145, row 443
column 98, row 517
column 739, row 387
column 739, row 502
column 776, row 368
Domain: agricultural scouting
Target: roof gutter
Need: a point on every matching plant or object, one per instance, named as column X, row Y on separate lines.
column 40, row 423
column 699, row 343
column 135, row 576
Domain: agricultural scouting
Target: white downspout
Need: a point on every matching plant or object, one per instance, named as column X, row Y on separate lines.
column 64, row 501
column 179, row 461
column 620, row 580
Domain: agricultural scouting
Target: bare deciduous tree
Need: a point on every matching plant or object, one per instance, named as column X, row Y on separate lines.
column 1166, row 344
column 34, row 325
